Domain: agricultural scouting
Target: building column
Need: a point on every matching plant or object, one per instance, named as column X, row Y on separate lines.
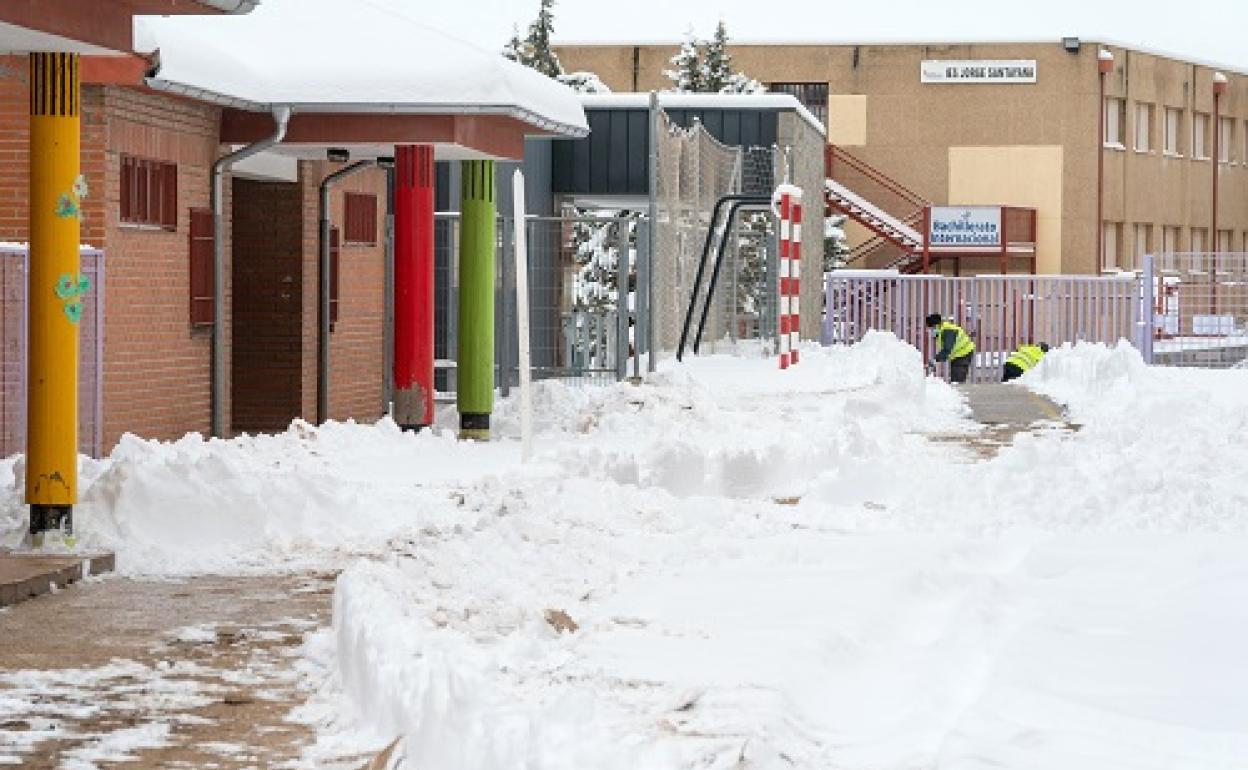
column 413, row 287
column 56, row 287
column 475, row 367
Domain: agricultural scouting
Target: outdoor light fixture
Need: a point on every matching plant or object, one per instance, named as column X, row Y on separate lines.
column 1071, row 44
column 338, row 154
column 385, row 161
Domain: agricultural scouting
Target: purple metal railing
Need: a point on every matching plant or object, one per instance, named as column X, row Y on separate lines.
column 1000, row 312
column 14, row 296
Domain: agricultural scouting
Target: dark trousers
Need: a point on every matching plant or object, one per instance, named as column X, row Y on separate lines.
column 960, row 368
column 1012, row 372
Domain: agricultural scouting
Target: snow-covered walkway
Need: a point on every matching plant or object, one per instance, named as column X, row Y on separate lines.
column 734, row 566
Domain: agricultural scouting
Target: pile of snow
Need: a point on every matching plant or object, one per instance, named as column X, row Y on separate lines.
column 736, row 566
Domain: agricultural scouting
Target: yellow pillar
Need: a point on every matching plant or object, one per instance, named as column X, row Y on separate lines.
column 55, row 291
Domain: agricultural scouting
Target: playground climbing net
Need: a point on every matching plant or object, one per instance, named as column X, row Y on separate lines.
column 693, row 170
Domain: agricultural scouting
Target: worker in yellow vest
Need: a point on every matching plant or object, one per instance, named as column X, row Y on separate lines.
column 1027, row 357
column 953, row 345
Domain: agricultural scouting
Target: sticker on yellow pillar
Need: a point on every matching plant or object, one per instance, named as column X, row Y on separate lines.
column 71, row 291
column 70, row 203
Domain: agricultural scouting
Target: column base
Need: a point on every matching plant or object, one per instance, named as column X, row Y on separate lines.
column 474, row 427
column 51, row 518
column 412, row 428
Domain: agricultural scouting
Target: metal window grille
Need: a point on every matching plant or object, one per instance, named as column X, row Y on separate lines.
column 149, row 192
column 360, row 215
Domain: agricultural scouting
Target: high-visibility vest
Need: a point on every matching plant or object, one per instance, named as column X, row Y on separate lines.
column 1026, row 357
column 962, row 346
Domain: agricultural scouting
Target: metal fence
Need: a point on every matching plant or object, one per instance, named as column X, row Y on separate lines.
column 14, row 296
column 583, row 267
column 1201, row 308
column 999, row 312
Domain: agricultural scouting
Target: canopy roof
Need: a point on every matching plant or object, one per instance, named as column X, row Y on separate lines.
column 328, row 57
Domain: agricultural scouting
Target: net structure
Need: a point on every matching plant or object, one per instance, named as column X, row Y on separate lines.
column 693, row 171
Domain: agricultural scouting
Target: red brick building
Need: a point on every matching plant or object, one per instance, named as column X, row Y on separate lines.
column 147, row 157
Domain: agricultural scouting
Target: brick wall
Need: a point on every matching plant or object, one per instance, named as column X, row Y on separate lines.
column 356, row 380
column 268, row 280
column 156, row 366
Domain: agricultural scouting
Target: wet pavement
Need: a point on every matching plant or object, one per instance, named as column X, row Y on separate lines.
column 1004, row 410
column 201, row 673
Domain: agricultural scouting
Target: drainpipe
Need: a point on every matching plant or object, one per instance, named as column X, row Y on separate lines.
column 322, row 284
column 1105, row 65
column 387, row 333
column 281, row 116
column 1219, row 89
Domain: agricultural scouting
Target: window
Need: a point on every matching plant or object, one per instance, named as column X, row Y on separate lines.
column 1200, row 136
column 1143, row 244
column 203, row 291
column 1170, row 240
column 1174, row 119
column 1112, row 238
column 361, row 219
column 813, row 96
column 1198, row 239
column 1115, row 122
column 149, row 193
column 1224, row 240
column 1226, row 135
column 1143, row 127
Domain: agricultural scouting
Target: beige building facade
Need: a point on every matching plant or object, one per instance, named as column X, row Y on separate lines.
column 1015, row 124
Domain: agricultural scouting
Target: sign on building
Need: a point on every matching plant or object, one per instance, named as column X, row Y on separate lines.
column 965, row 227
column 980, row 71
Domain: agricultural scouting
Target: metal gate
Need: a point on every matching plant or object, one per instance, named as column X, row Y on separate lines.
column 1000, row 312
column 14, row 296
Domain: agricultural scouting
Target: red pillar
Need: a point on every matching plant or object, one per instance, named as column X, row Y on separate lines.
column 413, row 286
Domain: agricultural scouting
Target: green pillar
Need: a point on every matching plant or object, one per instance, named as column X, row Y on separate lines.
column 475, row 367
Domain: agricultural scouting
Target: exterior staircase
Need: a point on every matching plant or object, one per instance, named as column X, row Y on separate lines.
column 857, row 189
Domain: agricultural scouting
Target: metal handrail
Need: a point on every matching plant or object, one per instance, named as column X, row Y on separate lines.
column 834, row 153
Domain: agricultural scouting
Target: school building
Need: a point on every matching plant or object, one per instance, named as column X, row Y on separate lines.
column 1112, row 146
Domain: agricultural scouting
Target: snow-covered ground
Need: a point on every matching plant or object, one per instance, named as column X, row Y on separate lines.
column 734, row 567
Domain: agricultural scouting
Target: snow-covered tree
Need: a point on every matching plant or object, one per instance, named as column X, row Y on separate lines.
column 835, row 243
column 584, row 83
column 687, row 75
column 741, row 83
column 514, row 49
column 541, row 55
column 716, row 62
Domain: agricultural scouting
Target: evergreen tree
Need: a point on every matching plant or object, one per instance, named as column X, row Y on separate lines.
column 687, row 75
column 514, row 49
column 716, row 63
column 541, row 56
column 584, row 83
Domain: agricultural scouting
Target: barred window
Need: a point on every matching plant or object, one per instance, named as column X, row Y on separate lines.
column 813, row 96
column 361, row 219
column 149, row 192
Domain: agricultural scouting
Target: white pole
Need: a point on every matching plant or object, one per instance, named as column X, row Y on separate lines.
column 522, row 317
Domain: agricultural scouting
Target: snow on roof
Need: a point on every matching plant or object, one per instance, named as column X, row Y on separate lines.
column 315, row 56
column 683, row 101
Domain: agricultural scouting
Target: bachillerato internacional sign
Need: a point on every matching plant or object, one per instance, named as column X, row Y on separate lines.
column 978, row 71
column 956, row 228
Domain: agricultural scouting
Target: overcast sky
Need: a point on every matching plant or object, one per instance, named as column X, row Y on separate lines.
column 1206, row 30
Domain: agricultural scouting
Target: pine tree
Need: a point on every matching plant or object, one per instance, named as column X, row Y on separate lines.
column 584, row 83
column 741, row 83
column 688, row 73
column 541, row 56
column 514, row 49
column 716, row 63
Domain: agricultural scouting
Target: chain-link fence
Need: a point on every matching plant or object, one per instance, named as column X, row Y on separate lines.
column 1201, row 308
column 583, row 267
column 692, row 171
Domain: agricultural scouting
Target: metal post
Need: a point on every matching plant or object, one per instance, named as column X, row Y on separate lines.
column 387, row 332
column 1148, row 310
column 644, row 325
column 622, row 309
column 323, row 288
column 652, row 230
column 55, row 288
column 503, row 334
column 1105, row 65
column 475, row 369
